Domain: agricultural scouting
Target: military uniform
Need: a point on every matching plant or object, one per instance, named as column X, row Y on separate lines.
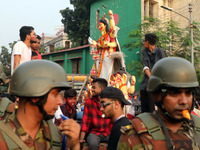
column 137, row 137
column 6, row 107
column 42, row 140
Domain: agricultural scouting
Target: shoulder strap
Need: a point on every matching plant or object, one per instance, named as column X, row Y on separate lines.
column 3, row 105
column 11, row 139
column 196, row 120
column 153, row 127
column 56, row 144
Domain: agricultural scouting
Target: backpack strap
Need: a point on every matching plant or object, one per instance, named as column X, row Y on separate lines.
column 11, row 139
column 196, row 120
column 3, row 105
column 56, row 144
column 153, row 126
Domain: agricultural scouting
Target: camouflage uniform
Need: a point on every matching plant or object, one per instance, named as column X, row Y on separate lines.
column 42, row 139
column 9, row 109
column 137, row 137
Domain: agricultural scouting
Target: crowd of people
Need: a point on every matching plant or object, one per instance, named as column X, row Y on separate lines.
column 167, row 96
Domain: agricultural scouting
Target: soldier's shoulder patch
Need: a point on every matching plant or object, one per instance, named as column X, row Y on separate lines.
column 126, row 129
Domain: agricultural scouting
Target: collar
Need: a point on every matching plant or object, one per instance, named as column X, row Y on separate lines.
column 119, row 117
column 153, row 52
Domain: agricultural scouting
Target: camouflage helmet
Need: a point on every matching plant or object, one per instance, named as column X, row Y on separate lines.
column 36, row 78
column 2, row 74
column 172, row 72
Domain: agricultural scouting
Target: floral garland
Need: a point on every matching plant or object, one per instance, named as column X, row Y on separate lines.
column 99, row 72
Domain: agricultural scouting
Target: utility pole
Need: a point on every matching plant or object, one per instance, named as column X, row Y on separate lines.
column 191, row 27
column 191, row 34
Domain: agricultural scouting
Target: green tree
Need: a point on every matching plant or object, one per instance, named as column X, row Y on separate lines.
column 58, row 48
column 5, row 58
column 174, row 40
column 11, row 45
column 77, row 22
column 42, row 49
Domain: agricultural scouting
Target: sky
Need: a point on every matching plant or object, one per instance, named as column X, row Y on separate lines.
column 43, row 15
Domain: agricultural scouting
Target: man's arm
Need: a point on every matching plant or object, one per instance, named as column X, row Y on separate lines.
column 82, row 136
column 86, row 120
column 16, row 61
column 145, row 64
column 147, row 72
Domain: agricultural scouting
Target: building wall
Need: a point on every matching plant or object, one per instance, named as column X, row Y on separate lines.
column 56, row 43
column 129, row 12
column 180, row 6
column 65, row 57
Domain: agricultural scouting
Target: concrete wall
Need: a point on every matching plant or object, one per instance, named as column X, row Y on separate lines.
column 181, row 6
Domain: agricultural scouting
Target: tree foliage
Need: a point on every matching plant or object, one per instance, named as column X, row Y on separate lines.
column 77, row 22
column 6, row 60
column 42, row 49
column 173, row 39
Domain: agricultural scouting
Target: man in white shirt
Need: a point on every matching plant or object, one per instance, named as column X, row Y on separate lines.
column 21, row 50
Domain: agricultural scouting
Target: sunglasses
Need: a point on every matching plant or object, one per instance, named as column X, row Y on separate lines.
column 106, row 104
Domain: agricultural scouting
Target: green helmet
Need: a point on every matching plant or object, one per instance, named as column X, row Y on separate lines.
column 36, row 78
column 172, row 72
column 2, row 74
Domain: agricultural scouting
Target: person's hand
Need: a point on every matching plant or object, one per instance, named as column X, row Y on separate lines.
column 94, row 43
column 82, row 141
column 71, row 128
column 110, row 12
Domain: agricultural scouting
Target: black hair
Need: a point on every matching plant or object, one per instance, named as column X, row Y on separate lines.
column 120, row 102
column 34, row 53
column 70, row 93
column 151, row 38
column 102, row 82
column 25, row 30
column 105, row 23
column 38, row 37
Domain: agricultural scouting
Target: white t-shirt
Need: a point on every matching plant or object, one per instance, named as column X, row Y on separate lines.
column 20, row 48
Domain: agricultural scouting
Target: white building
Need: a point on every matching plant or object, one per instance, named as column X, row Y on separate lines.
column 59, row 40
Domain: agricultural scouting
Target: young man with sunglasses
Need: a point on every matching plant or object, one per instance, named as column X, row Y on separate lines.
column 94, row 125
column 112, row 103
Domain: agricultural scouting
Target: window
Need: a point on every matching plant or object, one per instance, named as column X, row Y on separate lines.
column 97, row 19
column 76, row 66
column 150, row 8
column 57, row 45
column 67, row 44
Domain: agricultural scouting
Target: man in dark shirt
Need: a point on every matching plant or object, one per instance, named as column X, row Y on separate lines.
column 112, row 103
column 151, row 54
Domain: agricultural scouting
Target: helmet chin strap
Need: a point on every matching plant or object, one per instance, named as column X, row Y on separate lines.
column 160, row 105
column 40, row 105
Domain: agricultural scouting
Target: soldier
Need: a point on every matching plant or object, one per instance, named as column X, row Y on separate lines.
column 37, row 84
column 172, row 82
column 6, row 100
